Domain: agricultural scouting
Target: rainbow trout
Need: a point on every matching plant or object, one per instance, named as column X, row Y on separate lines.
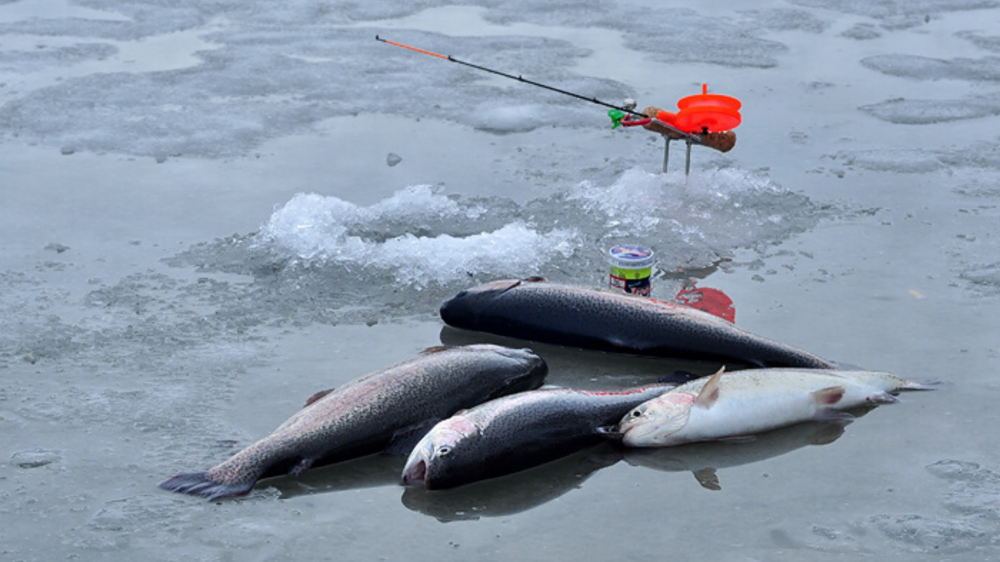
column 364, row 415
column 752, row 401
column 536, row 310
column 517, row 432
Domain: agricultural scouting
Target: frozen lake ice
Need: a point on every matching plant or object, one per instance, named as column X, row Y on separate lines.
column 203, row 224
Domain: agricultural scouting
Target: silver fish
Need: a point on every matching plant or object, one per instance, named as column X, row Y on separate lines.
column 536, row 310
column 363, row 416
column 752, row 401
column 517, row 432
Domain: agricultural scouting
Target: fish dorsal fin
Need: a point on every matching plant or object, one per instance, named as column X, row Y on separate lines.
column 710, row 392
column 435, row 349
column 312, row 399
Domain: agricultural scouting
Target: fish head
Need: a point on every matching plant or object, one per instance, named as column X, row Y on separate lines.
column 437, row 460
column 654, row 422
column 463, row 310
column 530, row 376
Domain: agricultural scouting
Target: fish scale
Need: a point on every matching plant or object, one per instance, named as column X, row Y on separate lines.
column 517, row 432
column 574, row 316
column 362, row 416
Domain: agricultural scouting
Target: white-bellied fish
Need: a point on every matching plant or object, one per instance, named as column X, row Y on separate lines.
column 536, row 310
column 752, row 401
column 364, row 415
column 517, row 432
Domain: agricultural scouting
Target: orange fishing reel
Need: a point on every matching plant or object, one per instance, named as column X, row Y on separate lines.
column 704, row 113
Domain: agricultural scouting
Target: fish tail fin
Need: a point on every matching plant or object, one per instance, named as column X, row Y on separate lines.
column 202, row 484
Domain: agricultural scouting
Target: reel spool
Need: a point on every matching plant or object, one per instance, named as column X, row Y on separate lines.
column 704, row 113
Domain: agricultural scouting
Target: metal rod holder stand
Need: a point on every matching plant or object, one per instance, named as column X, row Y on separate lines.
column 666, row 155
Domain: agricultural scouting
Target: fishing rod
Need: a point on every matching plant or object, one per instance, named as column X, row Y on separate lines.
column 704, row 119
column 511, row 76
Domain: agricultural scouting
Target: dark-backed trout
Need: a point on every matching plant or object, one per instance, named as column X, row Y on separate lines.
column 364, row 415
column 517, row 432
column 536, row 310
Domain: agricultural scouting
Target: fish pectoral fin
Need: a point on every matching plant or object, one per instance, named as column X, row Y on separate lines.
column 829, row 395
column 405, row 439
column 708, row 478
column 301, row 466
column 312, row 399
column 710, row 392
column 828, row 414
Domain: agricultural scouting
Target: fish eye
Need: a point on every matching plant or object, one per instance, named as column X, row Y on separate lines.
column 636, row 413
column 444, row 451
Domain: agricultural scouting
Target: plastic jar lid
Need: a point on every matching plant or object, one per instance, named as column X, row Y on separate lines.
column 630, row 256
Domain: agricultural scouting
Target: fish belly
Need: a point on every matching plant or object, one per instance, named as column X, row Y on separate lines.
column 744, row 415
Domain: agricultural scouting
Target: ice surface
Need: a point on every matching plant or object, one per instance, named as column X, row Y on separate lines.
column 317, row 255
column 910, row 161
column 35, row 458
column 973, row 500
column 986, row 69
column 691, row 36
column 918, row 533
column 329, row 231
column 268, row 83
column 985, row 277
column 861, row 32
column 924, row 111
column 118, row 370
column 519, row 118
column 718, row 210
column 53, row 9
column 422, row 237
column 919, row 160
column 784, row 19
column 896, row 10
column 311, row 62
column 987, row 42
column 31, row 61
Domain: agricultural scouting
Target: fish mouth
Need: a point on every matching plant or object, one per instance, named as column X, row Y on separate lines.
column 415, row 472
column 610, row 432
column 627, row 439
